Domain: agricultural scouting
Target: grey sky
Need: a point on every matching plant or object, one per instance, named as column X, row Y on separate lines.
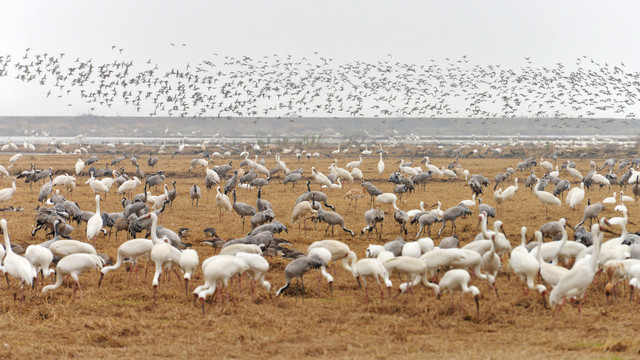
column 488, row 32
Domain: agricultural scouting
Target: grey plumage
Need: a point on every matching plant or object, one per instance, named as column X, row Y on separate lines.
column 195, row 194
column 591, row 213
column 242, row 209
column 297, row 268
column 451, row 214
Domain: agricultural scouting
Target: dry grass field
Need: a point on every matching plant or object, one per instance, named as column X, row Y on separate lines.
column 121, row 319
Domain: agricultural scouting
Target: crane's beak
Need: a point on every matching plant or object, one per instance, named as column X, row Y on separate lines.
column 569, row 225
column 477, row 304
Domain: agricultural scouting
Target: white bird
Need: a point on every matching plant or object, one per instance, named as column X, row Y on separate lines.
column 223, row 202
column 326, row 256
column 131, row 249
column 610, row 200
column 388, row 199
column 575, row 196
column 551, row 249
column 342, row 173
column 220, row 269
column 94, row 225
column 7, row 193
column 470, row 203
column 525, row 265
column 320, row 177
column 412, row 268
column 129, row 185
column 354, row 164
column 40, row 257
column 372, row 268
column 74, row 265
column 162, row 253
column 79, row 166
column 575, row 282
column 188, row 263
column 302, row 210
column 259, row 266
column 339, row 251
column 625, row 198
column 458, row 280
column 549, row 272
column 13, row 160
column 15, row 265
column 380, row 165
column 97, row 186
column 510, row 191
column 547, row 198
column 575, row 173
column 62, row 248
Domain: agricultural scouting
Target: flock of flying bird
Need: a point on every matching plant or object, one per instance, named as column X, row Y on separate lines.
column 272, row 86
column 420, row 260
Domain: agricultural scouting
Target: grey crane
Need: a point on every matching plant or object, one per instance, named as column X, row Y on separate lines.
column 195, row 194
column 293, row 177
column 223, row 169
column 395, row 246
column 531, row 180
column 499, row 179
column 451, row 214
column 332, row 219
column 372, row 217
column 297, row 268
column 260, row 182
column 371, row 189
column 450, row 242
column 171, row 194
column 402, row 218
column 134, row 160
column 90, row 160
column 274, row 227
column 475, row 185
column 248, row 177
column 427, row 220
column 142, row 196
column 262, row 204
column 553, row 229
column 118, row 160
column 561, row 187
column 231, row 183
column 139, row 173
column 152, row 161
column 262, row 217
column 591, row 212
column 242, row 209
column 156, row 179
column 318, row 195
column 422, row 178
column 46, row 190
column 490, row 210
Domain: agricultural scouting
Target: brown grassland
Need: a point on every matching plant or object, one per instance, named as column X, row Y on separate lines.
column 120, row 319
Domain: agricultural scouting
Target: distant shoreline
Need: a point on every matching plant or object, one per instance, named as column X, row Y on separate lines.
column 96, row 126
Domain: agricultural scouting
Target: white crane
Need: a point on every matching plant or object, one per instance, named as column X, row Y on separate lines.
column 15, row 265
column 372, row 268
column 380, row 165
column 223, row 202
column 547, row 198
column 73, row 265
column 575, row 196
column 575, row 282
column 458, row 280
column 94, row 225
column 7, row 194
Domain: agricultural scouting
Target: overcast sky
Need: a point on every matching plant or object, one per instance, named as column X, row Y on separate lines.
column 488, row 32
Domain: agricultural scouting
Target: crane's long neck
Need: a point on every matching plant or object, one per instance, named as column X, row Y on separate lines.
column 7, row 241
column 59, row 280
column 539, row 254
column 98, row 205
column 154, row 227
column 483, row 224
